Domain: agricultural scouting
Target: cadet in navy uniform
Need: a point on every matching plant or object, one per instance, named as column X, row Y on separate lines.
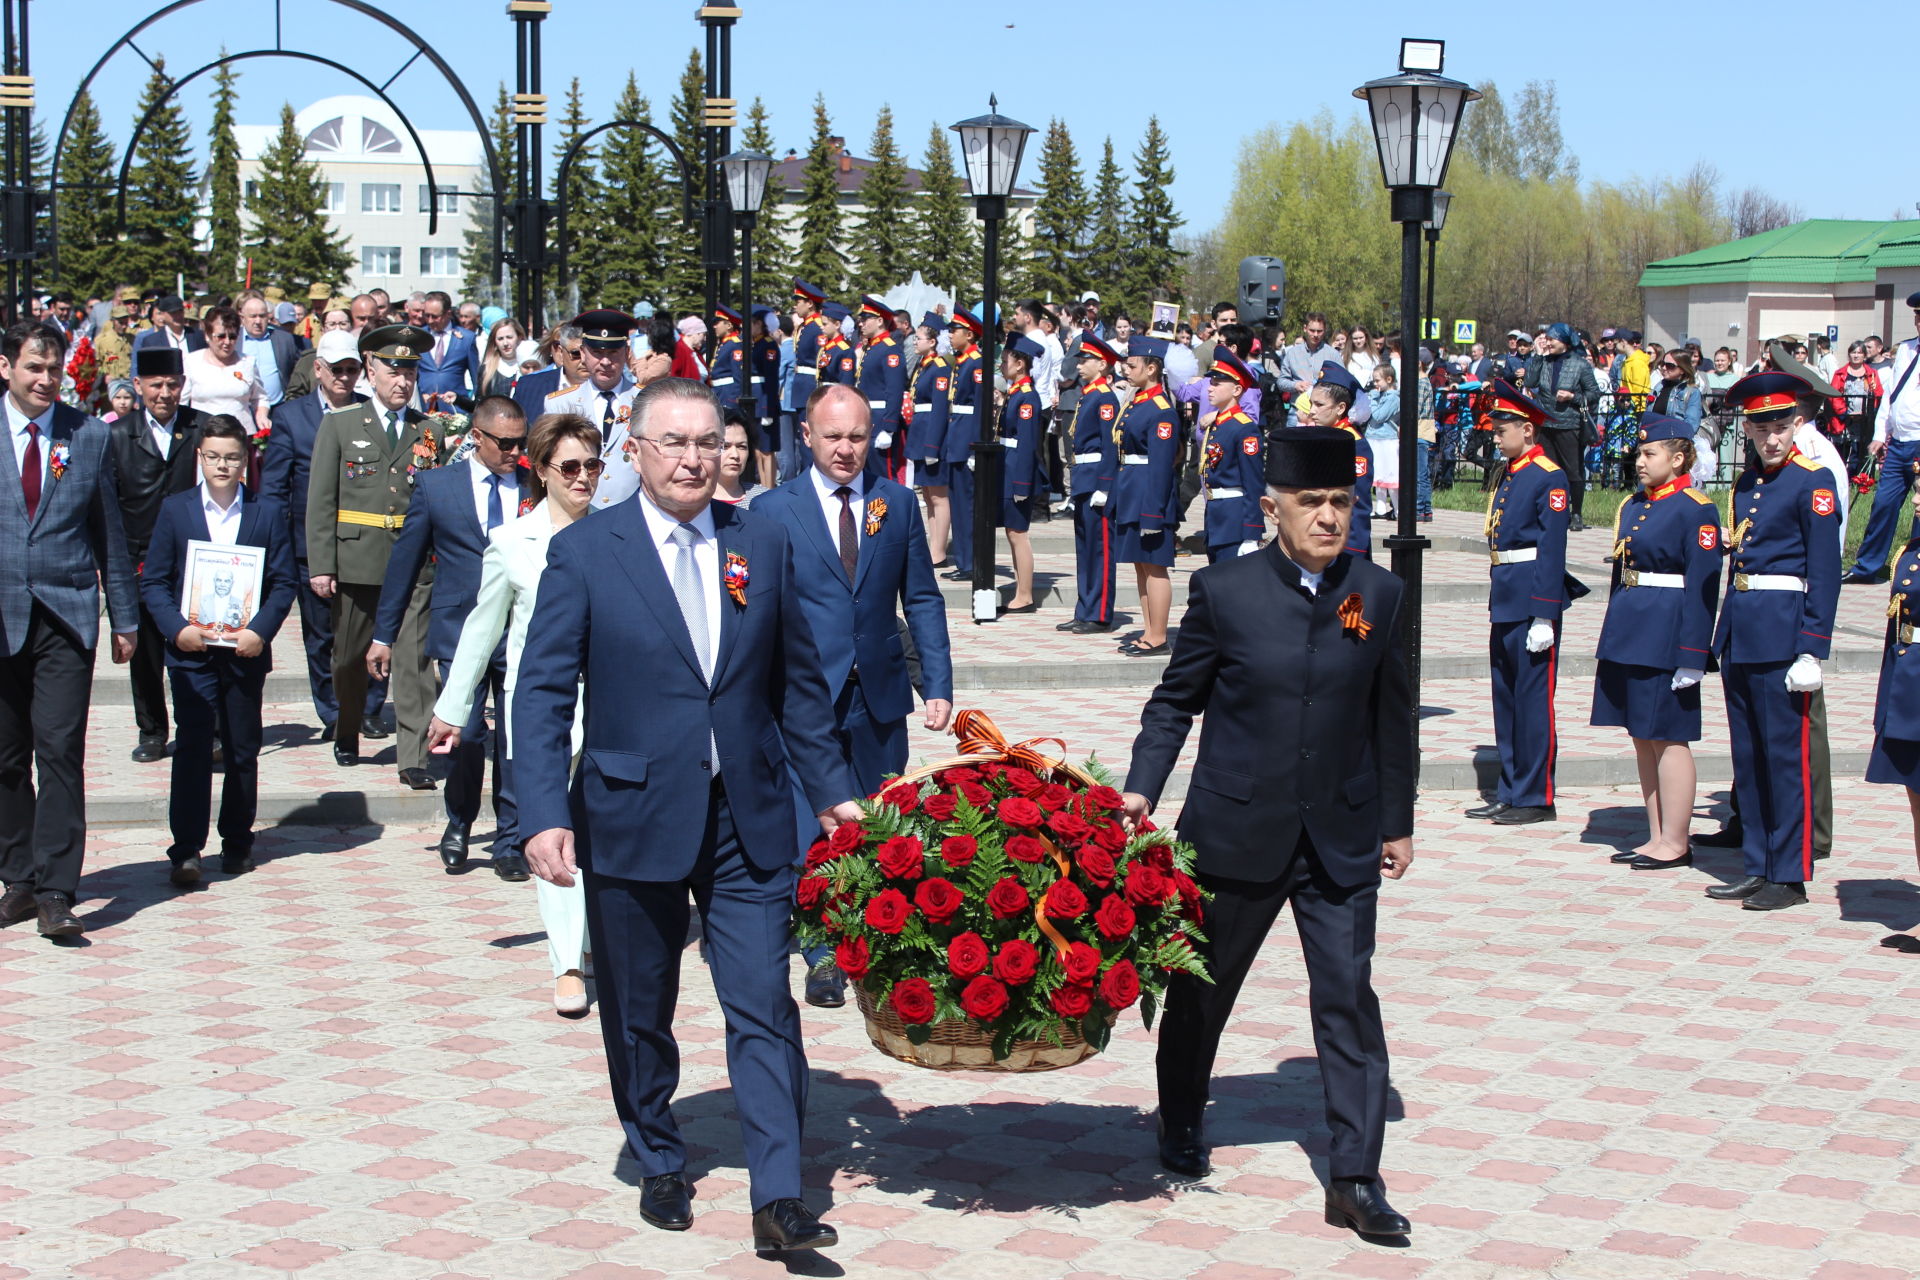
column 927, row 432
column 729, row 367
column 1776, row 627
column 1659, row 625
column 1896, row 705
column 1527, row 515
column 810, row 330
column 837, row 360
column 764, row 370
column 1023, row 478
column 963, row 429
column 1232, row 467
column 1330, row 400
column 1146, row 491
column 1090, row 485
column 883, row 382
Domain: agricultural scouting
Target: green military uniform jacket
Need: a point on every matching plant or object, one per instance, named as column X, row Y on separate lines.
column 115, row 356
column 359, row 489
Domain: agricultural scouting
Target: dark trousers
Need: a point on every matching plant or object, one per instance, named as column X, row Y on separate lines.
column 1093, row 561
column 147, row 670
column 219, row 700
column 45, row 689
column 1336, row 924
column 1564, row 447
column 1889, row 499
column 1771, row 734
column 316, row 631
column 1820, row 760
column 1523, row 726
column 466, row 781
column 960, row 504
column 875, row 749
column 638, row 932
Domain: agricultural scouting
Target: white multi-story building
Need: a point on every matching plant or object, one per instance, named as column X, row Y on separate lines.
column 377, row 194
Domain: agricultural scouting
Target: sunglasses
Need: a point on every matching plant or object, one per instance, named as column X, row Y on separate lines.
column 506, row 444
column 571, row 468
column 1668, row 364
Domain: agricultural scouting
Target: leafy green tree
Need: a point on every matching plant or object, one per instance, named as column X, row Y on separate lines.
column 481, row 269
column 1154, row 265
column 883, row 248
column 686, row 272
column 642, row 211
column 819, row 261
column 1062, row 217
column 1486, row 135
column 945, row 233
column 293, row 241
column 90, row 256
column 1107, row 241
column 583, row 195
column 1542, row 152
column 772, row 257
column 162, row 191
column 223, row 179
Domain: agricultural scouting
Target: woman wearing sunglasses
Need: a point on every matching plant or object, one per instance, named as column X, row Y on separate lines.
column 563, row 451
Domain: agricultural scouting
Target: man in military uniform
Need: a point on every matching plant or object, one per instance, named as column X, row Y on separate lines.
column 729, row 372
column 883, row 384
column 113, row 347
column 365, row 460
column 967, row 401
column 810, row 329
column 605, row 398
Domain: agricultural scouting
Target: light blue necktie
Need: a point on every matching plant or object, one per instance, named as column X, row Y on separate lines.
column 693, row 610
column 494, row 516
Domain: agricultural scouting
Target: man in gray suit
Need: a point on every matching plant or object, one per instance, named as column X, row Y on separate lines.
column 60, row 537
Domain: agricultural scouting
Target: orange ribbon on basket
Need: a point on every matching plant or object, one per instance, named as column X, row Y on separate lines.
column 979, row 735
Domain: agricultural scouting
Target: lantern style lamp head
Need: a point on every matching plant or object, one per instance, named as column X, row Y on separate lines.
column 991, row 146
column 746, row 175
column 1441, row 199
column 1416, row 118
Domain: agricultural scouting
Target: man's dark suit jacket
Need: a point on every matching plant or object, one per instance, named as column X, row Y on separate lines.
column 442, row 521
column 194, row 339
column 146, row 479
column 262, row 524
column 1307, row 723
column 289, row 460
column 531, row 392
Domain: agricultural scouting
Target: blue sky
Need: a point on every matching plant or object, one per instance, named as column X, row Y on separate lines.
column 1635, row 98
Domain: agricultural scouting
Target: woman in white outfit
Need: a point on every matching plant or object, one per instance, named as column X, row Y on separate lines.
column 564, row 452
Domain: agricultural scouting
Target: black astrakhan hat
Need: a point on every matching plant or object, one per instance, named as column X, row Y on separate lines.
column 1310, row 458
column 158, row 362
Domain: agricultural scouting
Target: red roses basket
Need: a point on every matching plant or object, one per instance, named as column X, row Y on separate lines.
column 994, row 913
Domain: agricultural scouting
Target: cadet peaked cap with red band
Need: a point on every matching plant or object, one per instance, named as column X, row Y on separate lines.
column 1229, row 365
column 726, row 313
column 1767, row 397
column 872, row 306
column 1501, row 399
column 812, row 293
column 1093, row 346
column 965, row 319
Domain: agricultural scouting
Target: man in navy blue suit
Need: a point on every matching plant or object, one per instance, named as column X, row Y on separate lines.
column 218, row 675
column 702, row 682
column 283, row 479
column 454, row 510
column 565, row 346
column 450, row 368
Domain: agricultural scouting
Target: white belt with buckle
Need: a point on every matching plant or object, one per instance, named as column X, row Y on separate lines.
column 1011, row 442
column 1635, row 578
column 758, row 378
column 963, row 408
column 811, row 371
column 1081, row 459
column 1133, row 459
column 922, row 408
column 1225, row 493
column 1520, row 556
column 876, row 404
column 1768, row 582
column 721, row 382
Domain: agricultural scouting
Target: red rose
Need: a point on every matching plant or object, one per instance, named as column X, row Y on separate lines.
column 1070, row 1001
column 903, row 858
column 1025, row 848
column 1095, row 863
column 984, row 999
column 1145, row 885
column 1114, row 919
column 940, row 807
column 1106, row 798
column 1189, row 895
column 851, row 956
column 1081, row 961
column 811, row 889
column 1024, row 782
column 913, row 1000
column 889, row 910
column 1053, row 796
column 1064, row 901
column 1160, row 858
column 819, row 854
column 1120, row 985
column 954, row 777
column 967, row 955
column 846, row 837
column 1007, row 898
column 975, row 794
column 1112, row 837
column 1016, row 963
column 938, row 899
column 1069, row 825
column 1144, row 827
column 902, row 796
column 1020, row 812
column 957, row 851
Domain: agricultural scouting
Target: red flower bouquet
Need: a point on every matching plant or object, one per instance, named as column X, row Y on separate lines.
column 995, row 913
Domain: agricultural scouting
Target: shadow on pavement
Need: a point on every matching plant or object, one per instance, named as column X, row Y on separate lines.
column 1893, row 903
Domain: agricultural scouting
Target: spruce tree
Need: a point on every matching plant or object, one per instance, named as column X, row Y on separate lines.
column 480, row 269
column 90, row 261
column 882, row 255
column 293, row 241
column 1061, row 218
column 224, row 272
column 1154, row 271
column 642, row 211
column 772, row 257
column 946, row 243
column 162, row 192
column 819, row 261
column 1107, row 255
column 686, row 272
column 582, row 196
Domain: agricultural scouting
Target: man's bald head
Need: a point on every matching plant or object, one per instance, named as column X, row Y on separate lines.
column 839, row 426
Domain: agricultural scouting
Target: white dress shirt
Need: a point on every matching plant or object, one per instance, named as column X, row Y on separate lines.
column 1309, row 579
column 824, row 487
column 1899, row 416
column 483, row 485
column 706, row 559
column 1046, row 370
column 223, row 523
column 17, row 428
column 162, row 434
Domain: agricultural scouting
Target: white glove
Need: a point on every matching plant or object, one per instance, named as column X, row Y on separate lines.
column 1098, row 498
column 883, row 441
column 1539, row 636
column 1804, row 675
column 969, row 462
column 1249, row 547
column 1686, row 678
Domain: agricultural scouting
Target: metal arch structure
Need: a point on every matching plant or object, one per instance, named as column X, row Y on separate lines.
column 580, row 144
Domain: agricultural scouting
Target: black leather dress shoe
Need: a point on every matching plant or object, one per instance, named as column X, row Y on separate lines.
column 185, row 873
column 1085, row 627
column 235, row 864
column 149, row 752
column 1491, row 809
column 510, row 865
column 453, row 846
column 1773, row 896
column 788, row 1225
column 1644, row 863
column 1855, row 578
column 1725, row 838
column 1744, row 887
column 1625, row 855
column 17, row 904
column 1183, row 1150
column 418, row 779
column 328, row 730
column 1363, row 1206
column 958, row 575
column 666, row 1202
column 56, row 916
column 1519, row 815
column 826, row 985
column 374, row 727
column 346, row 754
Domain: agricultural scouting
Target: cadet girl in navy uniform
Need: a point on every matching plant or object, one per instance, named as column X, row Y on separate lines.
column 927, row 433
column 1146, row 492
column 1527, row 515
column 763, row 369
column 837, row 361
column 1659, row 625
column 1329, row 402
column 1090, row 485
column 963, row 430
column 1022, row 474
column 1896, row 705
column 811, row 328
column 883, row 382
column 729, row 367
column 1232, row 462
column 1775, row 628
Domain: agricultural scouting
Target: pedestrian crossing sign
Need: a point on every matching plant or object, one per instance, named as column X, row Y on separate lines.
column 1430, row 329
column 1463, row 331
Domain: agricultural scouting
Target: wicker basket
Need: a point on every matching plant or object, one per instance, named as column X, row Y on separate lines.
column 964, row 1046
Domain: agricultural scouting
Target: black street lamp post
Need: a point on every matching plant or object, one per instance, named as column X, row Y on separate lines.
column 718, row 116
column 1441, row 199
column 529, row 251
column 746, row 174
column 991, row 145
column 1416, row 116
